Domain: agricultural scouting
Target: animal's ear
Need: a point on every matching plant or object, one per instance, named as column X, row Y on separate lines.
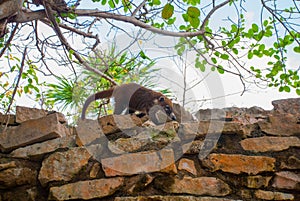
column 161, row 99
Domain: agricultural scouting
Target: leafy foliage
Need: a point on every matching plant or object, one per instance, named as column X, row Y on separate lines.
column 224, row 40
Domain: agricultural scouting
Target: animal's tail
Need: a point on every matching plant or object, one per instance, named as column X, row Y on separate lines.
column 99, row 95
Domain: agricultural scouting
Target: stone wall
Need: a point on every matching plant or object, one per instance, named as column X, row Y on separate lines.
column 230, row 154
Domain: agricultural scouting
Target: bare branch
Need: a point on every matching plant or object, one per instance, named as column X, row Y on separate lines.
column 136, row 22
column 63, row 40
column 9, row 40
column 211, row 12
column 18, row 81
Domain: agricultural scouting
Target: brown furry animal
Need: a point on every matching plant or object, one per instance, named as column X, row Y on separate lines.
column 133, row 97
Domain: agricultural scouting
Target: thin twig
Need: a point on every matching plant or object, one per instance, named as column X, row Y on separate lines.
column 9, row 40
column 16, row 87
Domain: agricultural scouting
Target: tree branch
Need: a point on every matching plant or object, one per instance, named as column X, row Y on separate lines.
column 136, row 22
column 9, row 40
column 211, row 12
column 63, row 40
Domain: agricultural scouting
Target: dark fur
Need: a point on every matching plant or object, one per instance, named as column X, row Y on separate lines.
column 132, row 97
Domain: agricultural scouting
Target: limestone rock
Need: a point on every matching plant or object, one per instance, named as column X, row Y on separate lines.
column 95, row 170
column 192, row 130
column 137, row 183
column 182, row 116
column 37, row 150
column 18, row 176
column 114, row 123
column 187, row 165
column 21, row 194
column 7, row 119
column 84, row 190
column 195, row 186
column 193, row 147
column 142, row 162
column 271, row 195
column 281, row 125
column 291, row 105
column 237, row 163
column 171, row 198
column 7, row 164
column 264, row 144
column 257, row 181
column 63, row 166
column 25, row 113
column 88, row 131
column 32, row 131
column 287, row 180
column 292, row 163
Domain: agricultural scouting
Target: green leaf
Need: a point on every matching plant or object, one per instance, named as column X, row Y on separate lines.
column 287, row 89
column 214, row 60
column 167, row 11
column 235, row 51
column 193, row 12
column 224, row 56
column 298, row 91
column 220, row 69
column 250, row 55
column 185, row 17
column 156, row 2
column 254, row 28
column 171, row 21
column 233, row 28
column 200, row 65
column 26, row 89
column 297, row 49
column 111, row 3
column 195, row 22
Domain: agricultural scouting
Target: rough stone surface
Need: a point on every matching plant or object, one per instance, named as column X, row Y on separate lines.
column 236, row 163
column 25, row 113
column 38, row 150
column 7, row 119
column 187, row 165
column 264, row 144
column 18, row 176
column 32, row 131
column 291, row 105
column 7, row 164
column 270, row 195
column 257, row 181
column 249, row 155
column 192, row 147
column 85, row 190
column 142, row 162
column 292, row 163
column 196, row 186
column 281, row 125
column 17, row 194
column 287, row 180
column 114, row 123
column 171, row 198
column 88, row 131
column 63, row 166
column 181, row 114
column 137, row 183
column 95, row 170
column 193, row 130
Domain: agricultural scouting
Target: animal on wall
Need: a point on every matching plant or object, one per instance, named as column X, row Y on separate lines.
column 134, row 97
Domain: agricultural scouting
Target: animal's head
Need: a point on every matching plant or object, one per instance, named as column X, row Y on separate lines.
column 167, row 106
